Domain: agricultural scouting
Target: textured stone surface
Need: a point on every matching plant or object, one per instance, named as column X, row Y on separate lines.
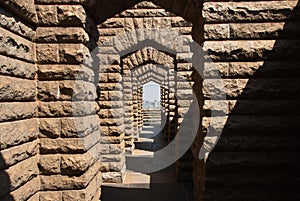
column 247, row 11
column 16, row 111
column 15, row 133
column 17, row 68
column 67, row 109
column 60, row 72
column 61, row 182
column 13, row 24
column 17, row 154
column 45, row 34
column 24, row 9
column 63, row 15
column 16, row 46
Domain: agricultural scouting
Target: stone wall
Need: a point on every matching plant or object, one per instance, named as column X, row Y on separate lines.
column 255, row 46
column 19, row 130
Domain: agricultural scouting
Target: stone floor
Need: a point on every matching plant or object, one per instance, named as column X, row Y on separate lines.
column 157, row 186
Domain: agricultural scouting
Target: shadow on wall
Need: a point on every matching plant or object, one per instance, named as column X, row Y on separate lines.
column 257, row 156
column 4, row 182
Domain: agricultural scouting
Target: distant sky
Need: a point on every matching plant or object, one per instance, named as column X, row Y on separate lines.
column 151, row 92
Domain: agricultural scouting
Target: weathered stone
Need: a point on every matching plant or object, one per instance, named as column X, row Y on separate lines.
column 17, row 111
column 61, row 182
column 67, row 109
column 78, row 90
column 217, row 31
column 28, row 191
column 256, row 30
column 71, row 15
column 78, row 164
column 180, row 22
column 87, row 194
column 49, row 196
column 22, row 172
column 112, row 139
column 50, row 164
column 15, row 133
column 112, row 177
column 74, row 54
column 69, row 145
column 239, row 50
column 112, row 148
column 76, row 35
column 47, row 14
column 17, row 154
column 247, row 11
column 17, row 68
column 48, row 91
column 16, row 46
column 145, row 13
column 25, row 9
column 113, row 23
column 13, row 24
column 79, row 126
column 111, row 113
column 47, row 53
column 50, row 127
column 64, row 15
column 61, row 72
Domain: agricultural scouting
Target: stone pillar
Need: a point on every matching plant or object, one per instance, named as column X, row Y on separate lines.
column 140, row 108
column 18, row 107
column 184, row 95
column 67, row 110
column 128, row 110
column 172, row 122
column 135, row 109
column 112, row 127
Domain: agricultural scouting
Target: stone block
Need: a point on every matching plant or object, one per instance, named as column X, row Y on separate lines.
column 112, row 177
column 50, row 127
column 77, row 90
column 17, row 154
column 21, row 173
column 67, row 109
column 63, row 15
column 28, row 191
column 15, row 25
column 79, row 126
column 69, row 145
column 61, row 72
column 25, row 9
column 247, row 11
column 16, row 46
column 17, row 68
column 239, row 50
column 51, row 195
column 74, row 54
column 50, row 164
column 62, row 35
column 47, row 53
column 77, row 164
column 18, row 132
column 62, row 182
column 17, row 111
column 48, row 91
column 15, row 89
